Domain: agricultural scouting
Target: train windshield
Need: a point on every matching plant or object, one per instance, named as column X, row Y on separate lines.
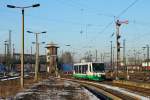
column 98, row 67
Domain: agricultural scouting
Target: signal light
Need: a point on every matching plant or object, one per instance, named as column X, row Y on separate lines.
column 118, row 46
column 118, row 23
column 118, row 49
column 118, row 36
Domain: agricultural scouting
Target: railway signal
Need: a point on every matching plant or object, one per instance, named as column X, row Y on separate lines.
column 118, row 43
column 118, row 36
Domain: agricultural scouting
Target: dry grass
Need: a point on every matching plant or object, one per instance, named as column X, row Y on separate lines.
column 11, row 87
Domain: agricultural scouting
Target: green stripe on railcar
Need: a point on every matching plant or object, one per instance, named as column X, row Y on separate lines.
column 81, row 76
column 96, row 78
column 89, row 77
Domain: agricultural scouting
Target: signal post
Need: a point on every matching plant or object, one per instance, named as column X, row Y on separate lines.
column 118, row 36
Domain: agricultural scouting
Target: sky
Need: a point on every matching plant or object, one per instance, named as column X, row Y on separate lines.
column 83, row 24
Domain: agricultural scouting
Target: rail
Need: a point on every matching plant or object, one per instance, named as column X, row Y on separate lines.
column 111, row 94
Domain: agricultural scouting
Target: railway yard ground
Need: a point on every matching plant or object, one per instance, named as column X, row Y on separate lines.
column 10, row 88
column 63, row 89
column 51, row 89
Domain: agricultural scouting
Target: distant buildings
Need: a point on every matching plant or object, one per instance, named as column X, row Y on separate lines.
column 29, row 60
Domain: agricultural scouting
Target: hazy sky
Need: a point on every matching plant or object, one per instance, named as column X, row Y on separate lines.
column 84, row 24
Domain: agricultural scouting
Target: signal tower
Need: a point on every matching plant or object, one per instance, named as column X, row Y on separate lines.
column 118, row 36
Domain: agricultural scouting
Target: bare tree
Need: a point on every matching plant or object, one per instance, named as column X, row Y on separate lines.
column 67, row 58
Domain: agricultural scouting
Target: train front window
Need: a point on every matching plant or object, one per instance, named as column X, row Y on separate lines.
column 98, row 67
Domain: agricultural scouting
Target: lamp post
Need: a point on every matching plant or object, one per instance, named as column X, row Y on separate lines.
column 37, row 52
column 70, row 52
column 38, row 68
column 68, row 45
column 22, row 51
column 37, row 59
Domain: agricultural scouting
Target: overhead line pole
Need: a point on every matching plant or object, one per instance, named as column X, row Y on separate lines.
column 111, row 62
column 6, row 46
column 147, row 61
column 124, row 55
column 113, row 58
column 124, row 60
column 37, row 58
column 147, row 56
column 96, row 55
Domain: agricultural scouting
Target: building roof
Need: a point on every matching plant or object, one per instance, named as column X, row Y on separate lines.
column 51, row 45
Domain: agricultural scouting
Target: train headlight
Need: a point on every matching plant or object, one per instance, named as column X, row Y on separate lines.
column 99, row 75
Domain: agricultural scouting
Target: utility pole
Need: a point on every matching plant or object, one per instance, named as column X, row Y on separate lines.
column 9, row 50
column 31, row 54
column 5, row 43
column 147, row 52
column 111, row 62
column 10, row 42
column 147, row 59
column 135, row 58
column 113, row 59
column 124, row 60
column 36, row 58
column 13, row 54
column 31, row 62
column 124, row 55
column 7, row 47
column 147, row 56
column 144, row 54
column 96, row 55
column 13, row 50
column 101, row 57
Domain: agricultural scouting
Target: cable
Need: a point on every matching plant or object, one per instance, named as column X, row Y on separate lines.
column 85, row 7
column 125, row 10
column 120, row 14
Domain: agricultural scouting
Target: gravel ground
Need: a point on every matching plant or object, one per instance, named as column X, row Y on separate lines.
column 55, row 89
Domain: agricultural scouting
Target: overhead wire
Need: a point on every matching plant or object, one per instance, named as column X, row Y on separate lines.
column 107, row 15
column 77, row 4
column 76, row 23
column 119, row 15
column 90, row 9
column 58, row 20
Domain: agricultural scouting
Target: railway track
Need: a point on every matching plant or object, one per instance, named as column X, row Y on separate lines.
column 139, row 90
column 12, row 78
column 99, row 93
column 102, row 91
